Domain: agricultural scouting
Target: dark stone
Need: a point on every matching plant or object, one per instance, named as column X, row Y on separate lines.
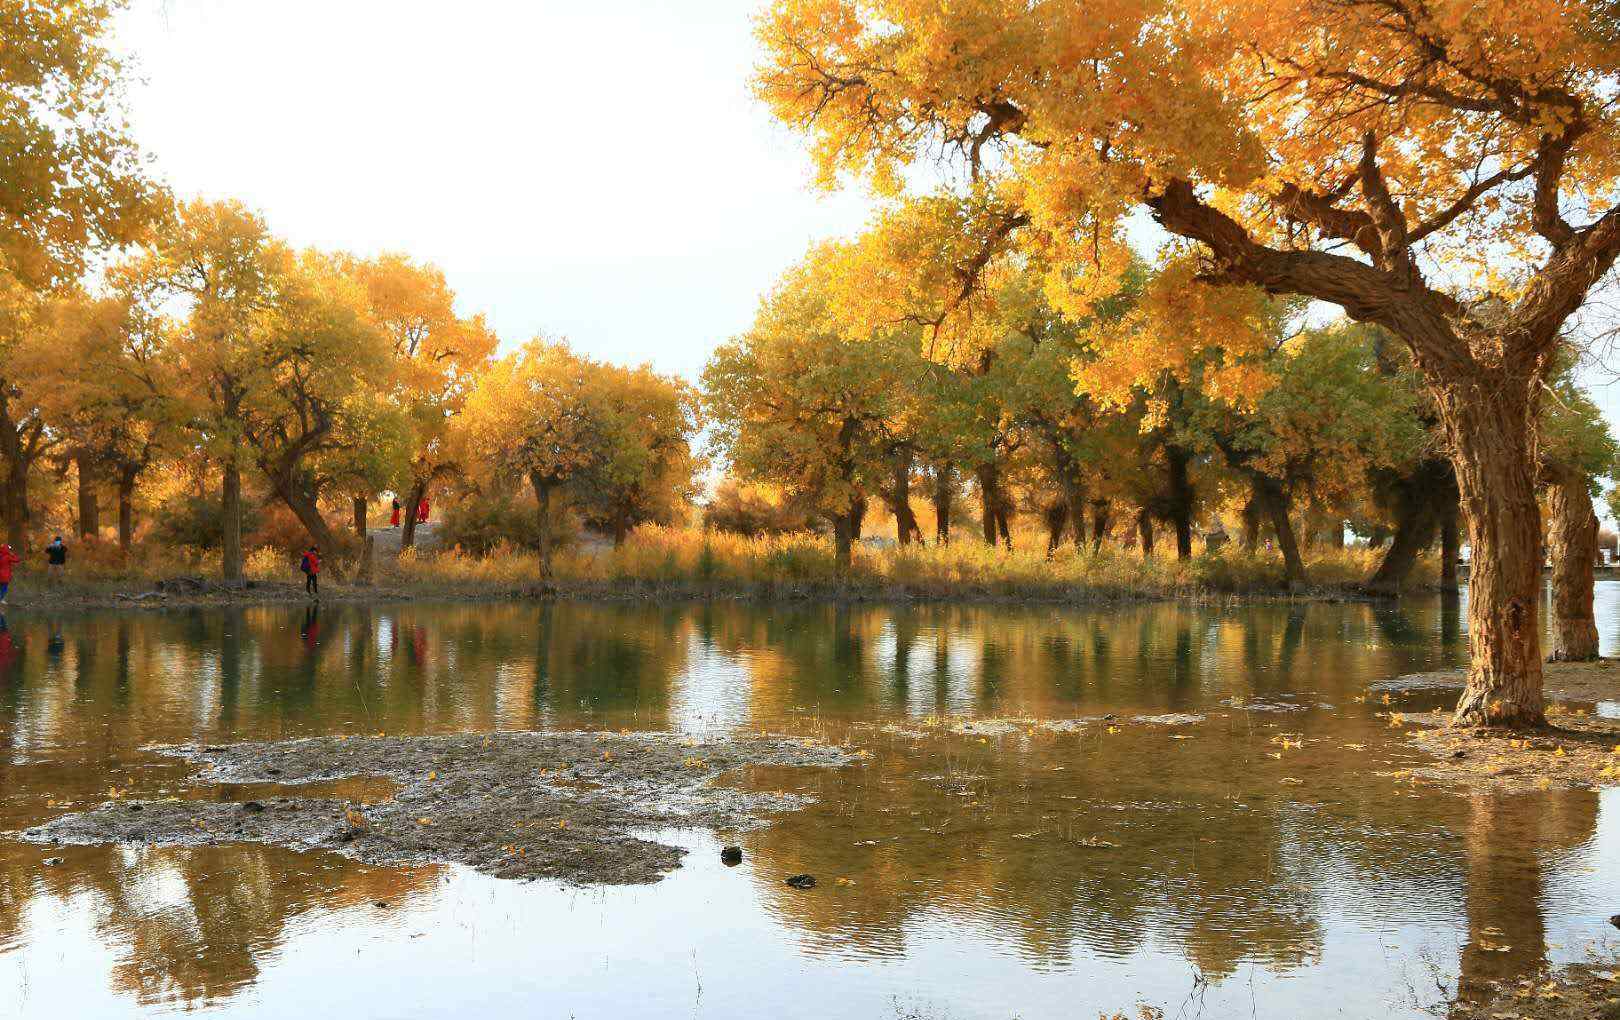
column 802, row 881
column 1615, row 920
column 136, row 807
column 731, row 856
column 382, row 904
column 253, row 807
column 51, row 862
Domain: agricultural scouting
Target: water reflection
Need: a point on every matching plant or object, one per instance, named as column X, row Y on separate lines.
column 1271, row 858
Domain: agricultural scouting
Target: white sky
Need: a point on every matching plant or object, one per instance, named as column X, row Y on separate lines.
column 592, row 170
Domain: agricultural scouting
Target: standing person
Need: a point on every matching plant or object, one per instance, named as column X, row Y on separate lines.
column 393, row 520
column 311, row 566
column 8, row 559
column 422, row 511
column 56, row 560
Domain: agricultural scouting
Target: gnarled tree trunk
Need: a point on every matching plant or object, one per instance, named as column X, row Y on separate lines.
column 407, row 537
column 360, row 516
column 905, row 520
column 1273, row 500
column 1572, row 547
column 1491, row 429
column 303, row 505
column 1144, row 531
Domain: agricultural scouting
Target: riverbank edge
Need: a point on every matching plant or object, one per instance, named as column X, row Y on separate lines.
column 195, row 592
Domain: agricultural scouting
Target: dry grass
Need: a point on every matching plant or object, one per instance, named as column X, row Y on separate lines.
column 654, row 556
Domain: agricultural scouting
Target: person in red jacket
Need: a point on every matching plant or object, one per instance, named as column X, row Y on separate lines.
column 8, row 559
column 422, row 511
column 393, row 521
column 311, row 566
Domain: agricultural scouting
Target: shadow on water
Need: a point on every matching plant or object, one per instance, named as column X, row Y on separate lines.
column 1265, row 858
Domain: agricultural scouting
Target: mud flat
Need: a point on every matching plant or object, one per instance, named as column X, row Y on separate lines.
column 576, row 807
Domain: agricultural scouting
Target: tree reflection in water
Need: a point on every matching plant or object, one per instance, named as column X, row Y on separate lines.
column 1226, row 849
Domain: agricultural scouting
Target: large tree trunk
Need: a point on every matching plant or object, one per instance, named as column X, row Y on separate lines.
column 988, row 501
column 1572, row 545
column 906, row 528
column 1490, row 426
column 1251, row 526
column 1057, row 518
column 407, row 538
column 360, row 503
column 1182, row 499
column 844, row 527
column 1100, row 522
column 1074, row 494
column 304, row 507
column 1416, row 500
column 231, row 510
column 1414, row 532
column 126, row 508
column 1450, row 548
column 944, row 495
column 1273, row 500
column 15, row 505
column 89, row 506
column 542, row 505
column 1144, row 531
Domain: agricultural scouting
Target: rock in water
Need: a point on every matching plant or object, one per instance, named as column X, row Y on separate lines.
column 731, row 856
column 1615, row 920
column 802, row 881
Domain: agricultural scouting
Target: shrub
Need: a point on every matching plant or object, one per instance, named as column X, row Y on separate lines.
column 189, row 522
column 744, row 510
column 482, row 524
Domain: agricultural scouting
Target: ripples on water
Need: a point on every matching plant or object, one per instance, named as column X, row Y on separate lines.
column 1029, row 870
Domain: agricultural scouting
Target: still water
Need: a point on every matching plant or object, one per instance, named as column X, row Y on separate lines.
column 1008, row 871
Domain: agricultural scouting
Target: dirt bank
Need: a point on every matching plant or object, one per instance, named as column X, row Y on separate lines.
column 1575, row 750
column 1585, row 991
column 515, row 805
column 186, row 592
column 1565, row 681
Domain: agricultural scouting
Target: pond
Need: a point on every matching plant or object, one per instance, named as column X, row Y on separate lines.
column 1235, row 840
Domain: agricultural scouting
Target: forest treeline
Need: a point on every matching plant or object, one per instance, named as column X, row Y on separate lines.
column 1376, row 224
